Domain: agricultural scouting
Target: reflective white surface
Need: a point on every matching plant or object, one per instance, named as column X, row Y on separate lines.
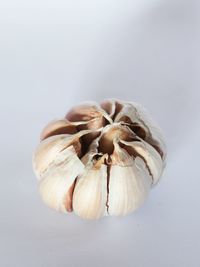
column 54, row 54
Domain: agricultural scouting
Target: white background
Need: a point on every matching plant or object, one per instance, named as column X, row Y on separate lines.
column 54, row 54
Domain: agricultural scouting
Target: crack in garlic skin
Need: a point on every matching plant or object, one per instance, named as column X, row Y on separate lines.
column 100, row 159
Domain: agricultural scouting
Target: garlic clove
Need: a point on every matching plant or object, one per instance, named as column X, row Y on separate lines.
column 84, row 112
column 95, row 117
column 109, row 107
column 149, row 155
column 58, row 127
column 129, row 183
column 139, row 116
column 87, row 112
column 49, row 149
column 112, row 132
column 57, row 185
column 155, row 138
column 112, row 107
column 90, row 193
column 128, row 114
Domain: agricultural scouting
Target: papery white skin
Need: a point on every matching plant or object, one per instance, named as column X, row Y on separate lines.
column 100, row 159
column 58, row 179
column 50, row 148
column 90, row 194
column 138, row 114
column 129, row 183
column 151, row 157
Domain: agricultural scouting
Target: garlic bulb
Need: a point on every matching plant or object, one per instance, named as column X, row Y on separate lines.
column 100, row 159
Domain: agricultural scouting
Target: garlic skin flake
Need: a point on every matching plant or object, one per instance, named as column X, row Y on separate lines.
column 100, row 159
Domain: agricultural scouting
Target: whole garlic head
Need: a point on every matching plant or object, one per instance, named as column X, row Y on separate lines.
column 100, row 159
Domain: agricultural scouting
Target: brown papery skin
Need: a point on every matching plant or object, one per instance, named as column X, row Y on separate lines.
column 117, row 132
